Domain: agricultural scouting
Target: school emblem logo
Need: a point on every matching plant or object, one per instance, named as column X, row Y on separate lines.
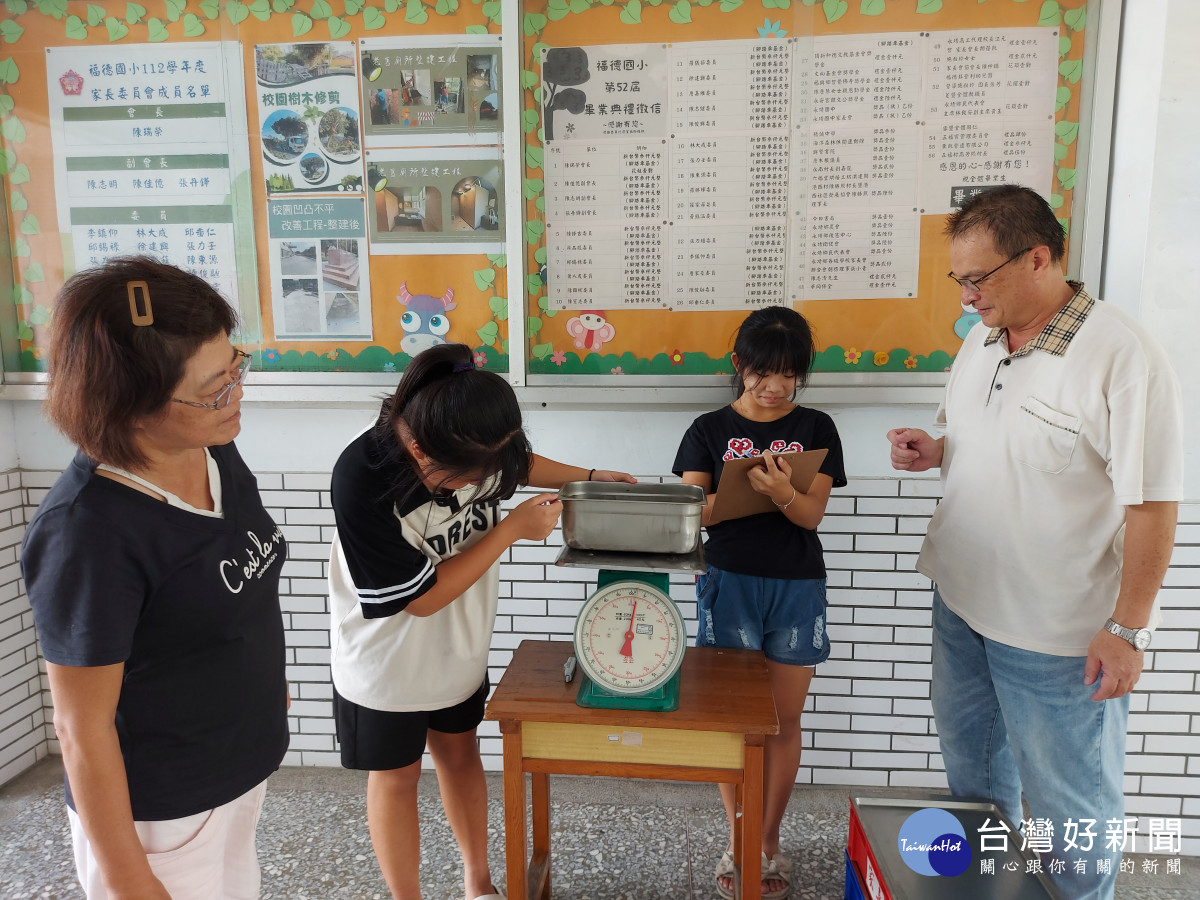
column 71, row 83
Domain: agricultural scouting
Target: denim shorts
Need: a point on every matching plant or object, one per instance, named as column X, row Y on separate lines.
column 783, row 617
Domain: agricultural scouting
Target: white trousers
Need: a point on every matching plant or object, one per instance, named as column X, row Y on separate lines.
column 208, row 856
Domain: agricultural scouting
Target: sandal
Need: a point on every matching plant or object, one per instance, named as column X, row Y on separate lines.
column 725, row 869
column 777, row 868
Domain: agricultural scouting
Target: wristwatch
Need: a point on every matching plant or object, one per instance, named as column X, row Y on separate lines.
column 1139, row 637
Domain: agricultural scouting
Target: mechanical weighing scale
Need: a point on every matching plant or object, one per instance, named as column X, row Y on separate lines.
column 630, row 636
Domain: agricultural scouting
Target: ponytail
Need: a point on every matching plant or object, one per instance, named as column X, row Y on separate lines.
column 466, row 420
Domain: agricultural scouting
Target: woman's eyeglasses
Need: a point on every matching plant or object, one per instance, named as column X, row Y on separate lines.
column 221, row 400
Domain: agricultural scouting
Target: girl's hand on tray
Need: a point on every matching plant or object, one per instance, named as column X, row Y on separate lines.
column 608, row 475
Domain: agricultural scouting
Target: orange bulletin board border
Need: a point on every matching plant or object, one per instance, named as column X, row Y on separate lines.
column 856, row 336
column 920, row 334
column 26, row 154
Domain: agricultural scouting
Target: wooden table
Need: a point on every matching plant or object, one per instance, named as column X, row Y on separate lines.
column 716, row 735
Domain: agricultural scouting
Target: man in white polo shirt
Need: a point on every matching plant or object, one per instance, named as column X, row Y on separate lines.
column 1061, row 464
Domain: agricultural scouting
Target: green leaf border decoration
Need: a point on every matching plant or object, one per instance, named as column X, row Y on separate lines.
column 129, row 22
column 418, row 12
column 831, row 360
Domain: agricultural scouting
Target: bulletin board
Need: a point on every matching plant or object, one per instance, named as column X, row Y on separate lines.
column 375, row 156
column 920, row 328
column 258, row 169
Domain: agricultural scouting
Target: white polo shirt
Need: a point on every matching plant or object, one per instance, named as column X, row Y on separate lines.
column 1043, row 452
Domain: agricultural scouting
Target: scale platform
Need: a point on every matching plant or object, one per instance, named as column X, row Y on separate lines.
column 661, row 699
column 629, row 561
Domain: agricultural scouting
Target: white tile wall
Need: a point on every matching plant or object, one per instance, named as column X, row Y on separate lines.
column 23, row 710
column 868, row 719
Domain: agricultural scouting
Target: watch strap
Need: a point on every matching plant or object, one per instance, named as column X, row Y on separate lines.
column 1128, row 634
column 1120, row 630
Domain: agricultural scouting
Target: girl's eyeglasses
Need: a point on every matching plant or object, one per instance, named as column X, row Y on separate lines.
column 222, row 399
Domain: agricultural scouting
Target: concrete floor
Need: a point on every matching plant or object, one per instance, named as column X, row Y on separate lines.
column 612, row 840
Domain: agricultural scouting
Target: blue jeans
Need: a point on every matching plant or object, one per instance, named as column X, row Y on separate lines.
column 783, row 617
column 1011, row 720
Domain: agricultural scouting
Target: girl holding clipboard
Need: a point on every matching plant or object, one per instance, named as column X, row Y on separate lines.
column 765, row 584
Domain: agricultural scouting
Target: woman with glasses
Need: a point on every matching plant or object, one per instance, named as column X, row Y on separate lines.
column 153, row 573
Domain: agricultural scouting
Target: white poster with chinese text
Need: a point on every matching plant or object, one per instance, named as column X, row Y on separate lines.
column 646, row 170
column 988, row 113
column 308, row 118
column 735, row 174
column 854, row 163
column 320, row 284
column 145, row 159
column 730, row 115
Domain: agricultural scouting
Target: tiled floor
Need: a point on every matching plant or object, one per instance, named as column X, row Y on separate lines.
column 612, row 840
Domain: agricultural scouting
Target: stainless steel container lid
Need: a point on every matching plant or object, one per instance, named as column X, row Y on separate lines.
column 620, row 492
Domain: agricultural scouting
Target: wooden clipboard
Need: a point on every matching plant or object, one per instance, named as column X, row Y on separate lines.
column 736, row 498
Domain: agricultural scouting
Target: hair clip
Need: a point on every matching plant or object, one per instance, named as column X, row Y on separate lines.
column 463, row 367
column 146, row 318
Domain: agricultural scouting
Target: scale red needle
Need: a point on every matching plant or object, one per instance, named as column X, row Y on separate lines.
column 627, row 647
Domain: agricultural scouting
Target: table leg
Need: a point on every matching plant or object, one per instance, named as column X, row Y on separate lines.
column 514, row 812
column 539, row 866
column 739, row 802
column 751, row 827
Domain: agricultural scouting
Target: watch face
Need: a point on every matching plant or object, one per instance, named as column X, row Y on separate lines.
column 629, row 638
column 1141, row 638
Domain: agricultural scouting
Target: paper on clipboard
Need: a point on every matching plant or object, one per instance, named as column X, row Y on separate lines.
column 736, row 498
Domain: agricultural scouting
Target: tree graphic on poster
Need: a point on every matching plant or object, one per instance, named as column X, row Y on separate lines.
column 564, row 67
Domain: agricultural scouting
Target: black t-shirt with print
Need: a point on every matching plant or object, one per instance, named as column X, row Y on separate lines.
column 767, row 544
column 190, row 605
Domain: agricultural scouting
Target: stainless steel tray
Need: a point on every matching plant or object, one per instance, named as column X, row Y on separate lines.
column 692, row 563
column 640, row 518
column 881, row 820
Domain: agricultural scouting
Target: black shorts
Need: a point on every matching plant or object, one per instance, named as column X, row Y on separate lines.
column 377, row 741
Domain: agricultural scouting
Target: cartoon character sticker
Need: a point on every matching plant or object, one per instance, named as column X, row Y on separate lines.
column 424, row 322
column 590, row 330
column 966, row 321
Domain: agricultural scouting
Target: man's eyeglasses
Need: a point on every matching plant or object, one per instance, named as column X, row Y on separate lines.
column 221, row 400
column 972, row 284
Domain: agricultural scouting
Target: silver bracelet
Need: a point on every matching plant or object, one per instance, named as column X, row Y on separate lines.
column 789, row 503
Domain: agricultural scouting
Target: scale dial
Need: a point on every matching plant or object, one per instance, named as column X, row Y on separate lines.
column 629, row 638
